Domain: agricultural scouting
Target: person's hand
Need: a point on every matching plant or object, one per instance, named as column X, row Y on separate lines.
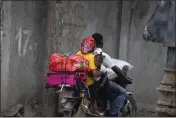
column 105, row 74
column 125, row 68
column 105, row 79
column 101, row 85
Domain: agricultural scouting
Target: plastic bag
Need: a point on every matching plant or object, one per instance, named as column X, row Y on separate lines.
column 121, row 63
column 59, row 62
column 56, row 62
column 77, row 62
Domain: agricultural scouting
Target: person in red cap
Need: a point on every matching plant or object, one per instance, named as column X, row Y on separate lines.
column 87, row 48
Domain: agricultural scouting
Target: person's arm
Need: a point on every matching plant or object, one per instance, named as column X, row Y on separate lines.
column 118, row 71
column 109, row 63
column 104, row 80
column 96, row 73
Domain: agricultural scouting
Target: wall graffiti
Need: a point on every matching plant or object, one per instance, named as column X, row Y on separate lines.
column 22, row 50
column 23, row 39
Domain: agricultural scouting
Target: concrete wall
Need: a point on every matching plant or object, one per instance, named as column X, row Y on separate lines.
column 83, row 18
column 69, row 22
column 27, row 43
column 23, row 50
column 148, row 58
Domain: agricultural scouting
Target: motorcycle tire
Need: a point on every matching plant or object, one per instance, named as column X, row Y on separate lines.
column 131, row 110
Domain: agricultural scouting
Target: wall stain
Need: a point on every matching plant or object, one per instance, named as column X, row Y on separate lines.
column 139, row 11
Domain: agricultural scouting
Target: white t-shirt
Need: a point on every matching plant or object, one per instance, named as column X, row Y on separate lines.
column 107, row 61
column 107, row 64
column 110, row 73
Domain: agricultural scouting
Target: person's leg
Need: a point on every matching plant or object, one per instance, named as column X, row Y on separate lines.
column 95, row 96
column 98, row 109
column 118, row 97
column 91, row 95
column 96, row 91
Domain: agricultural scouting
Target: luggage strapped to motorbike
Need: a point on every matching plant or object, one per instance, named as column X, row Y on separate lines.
column 63, row 78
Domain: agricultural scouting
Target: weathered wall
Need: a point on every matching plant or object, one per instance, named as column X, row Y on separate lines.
column 83, row 18
column 80, row 19
column 148, row 58
column 23, row 50
column 25, row 40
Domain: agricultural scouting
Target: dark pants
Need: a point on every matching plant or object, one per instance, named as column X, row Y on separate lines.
column 96, row 92
column 117, row 97
column 92, row 92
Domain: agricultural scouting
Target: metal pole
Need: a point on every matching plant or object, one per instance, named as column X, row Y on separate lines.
column 166, row 104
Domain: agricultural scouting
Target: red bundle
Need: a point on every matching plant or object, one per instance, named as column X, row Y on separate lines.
column 74, row 62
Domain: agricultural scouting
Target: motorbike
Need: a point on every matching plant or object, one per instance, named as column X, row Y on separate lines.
column 74, row 100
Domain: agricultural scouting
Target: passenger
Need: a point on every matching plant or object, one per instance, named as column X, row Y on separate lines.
column 87, row 48
column 101, row 82
column 117, row 93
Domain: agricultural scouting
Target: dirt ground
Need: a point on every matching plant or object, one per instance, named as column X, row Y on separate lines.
column 145, row 113
column 38, row 113
column 33, row 108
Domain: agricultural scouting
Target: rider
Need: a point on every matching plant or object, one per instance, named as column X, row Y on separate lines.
column 87, row 48
column 119, row 94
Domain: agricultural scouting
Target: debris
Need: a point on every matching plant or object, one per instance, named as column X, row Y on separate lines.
column 32, row 108
column 15, row 111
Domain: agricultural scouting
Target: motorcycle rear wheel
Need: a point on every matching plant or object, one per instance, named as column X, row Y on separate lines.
column 131, row 108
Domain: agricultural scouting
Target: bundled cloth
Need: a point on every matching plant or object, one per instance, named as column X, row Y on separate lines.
column 74, row 62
